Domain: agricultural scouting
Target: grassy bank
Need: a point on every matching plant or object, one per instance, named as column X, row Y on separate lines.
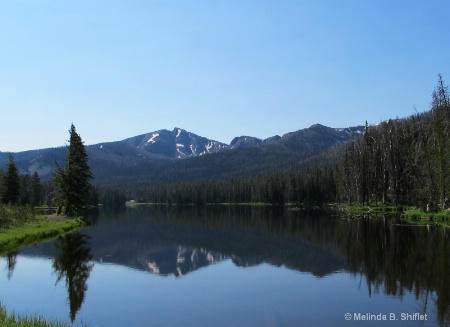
column 408, row 215
column 418, row 217
column 36, row 231
column 13, row 320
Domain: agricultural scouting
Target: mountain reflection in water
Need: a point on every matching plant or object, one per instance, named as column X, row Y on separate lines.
column 173, row 241
column 179, row 241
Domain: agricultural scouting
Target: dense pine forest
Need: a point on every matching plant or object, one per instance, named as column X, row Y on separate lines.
column 312, row 186
column 400, row 162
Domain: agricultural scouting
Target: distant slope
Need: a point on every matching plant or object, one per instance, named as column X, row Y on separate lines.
column 171, row 156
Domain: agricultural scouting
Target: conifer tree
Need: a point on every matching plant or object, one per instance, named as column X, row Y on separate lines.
column 72, row 181
column 10, row 183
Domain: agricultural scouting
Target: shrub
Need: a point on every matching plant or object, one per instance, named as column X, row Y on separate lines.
column 14, row 216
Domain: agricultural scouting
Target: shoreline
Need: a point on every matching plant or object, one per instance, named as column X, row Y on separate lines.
column 37, row 231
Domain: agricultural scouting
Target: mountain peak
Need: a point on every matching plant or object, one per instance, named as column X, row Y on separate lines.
column 177, row 144
column 177, row 131
column 245, row 142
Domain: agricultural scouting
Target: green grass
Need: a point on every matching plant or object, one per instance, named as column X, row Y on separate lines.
column 13, row 320
column 36, row 231
column 418, row 217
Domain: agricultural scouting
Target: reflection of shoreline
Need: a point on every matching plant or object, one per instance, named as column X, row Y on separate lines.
column 247, row 236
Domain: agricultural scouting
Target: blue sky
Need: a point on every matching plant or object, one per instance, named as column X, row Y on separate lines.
column 216, row 68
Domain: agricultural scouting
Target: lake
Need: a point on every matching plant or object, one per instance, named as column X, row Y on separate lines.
column 234, row 266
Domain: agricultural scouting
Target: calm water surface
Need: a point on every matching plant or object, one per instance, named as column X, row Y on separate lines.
column 234, row 266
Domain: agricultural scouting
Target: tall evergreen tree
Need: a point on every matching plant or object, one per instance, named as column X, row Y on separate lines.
column 10, row 183
column 72, row 181
column 441, row 123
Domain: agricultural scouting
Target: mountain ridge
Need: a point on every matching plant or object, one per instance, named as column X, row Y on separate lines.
column 167, row 156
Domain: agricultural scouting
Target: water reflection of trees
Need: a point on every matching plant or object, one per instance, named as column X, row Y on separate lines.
column 394, row 259
column 315, row 226
column 11, row 260
column 72, row 261
column 398, row 258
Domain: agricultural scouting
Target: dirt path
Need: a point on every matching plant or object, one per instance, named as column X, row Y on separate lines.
column 55, row 217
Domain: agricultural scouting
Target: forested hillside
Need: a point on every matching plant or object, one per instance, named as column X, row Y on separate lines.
column 402, row 161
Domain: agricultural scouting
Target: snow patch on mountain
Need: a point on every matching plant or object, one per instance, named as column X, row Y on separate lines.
column 152, row 139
